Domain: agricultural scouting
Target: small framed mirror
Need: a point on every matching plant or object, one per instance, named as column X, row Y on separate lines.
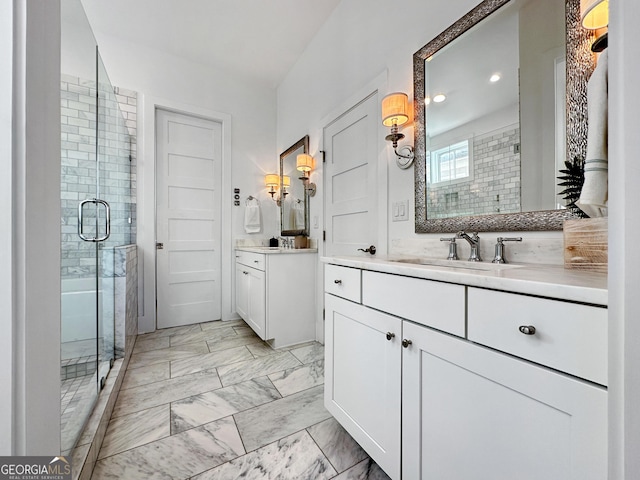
column 294, row 201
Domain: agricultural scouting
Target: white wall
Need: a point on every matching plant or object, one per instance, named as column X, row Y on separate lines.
column 30, row 222
column 361, row 40
column 251, row 107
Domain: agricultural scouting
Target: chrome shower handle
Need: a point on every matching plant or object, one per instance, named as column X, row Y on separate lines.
column 95, row 201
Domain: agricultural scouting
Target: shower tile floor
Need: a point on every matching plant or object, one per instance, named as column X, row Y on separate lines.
column 212, row 401
column 76, row 403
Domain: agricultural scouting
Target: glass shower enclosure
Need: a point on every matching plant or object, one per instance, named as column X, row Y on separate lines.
column 96, row 202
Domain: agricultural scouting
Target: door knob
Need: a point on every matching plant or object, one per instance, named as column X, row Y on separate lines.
column 371, row 250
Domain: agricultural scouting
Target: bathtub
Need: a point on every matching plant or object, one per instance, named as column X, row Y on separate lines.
column 78, row 308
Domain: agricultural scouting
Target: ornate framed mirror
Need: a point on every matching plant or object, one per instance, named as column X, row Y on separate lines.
column 513, row 76
column 294, row 206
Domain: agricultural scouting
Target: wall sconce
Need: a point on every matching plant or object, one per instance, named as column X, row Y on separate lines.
column 395, row 112
column 304, row 164
column 272, row 180
column 595, row 15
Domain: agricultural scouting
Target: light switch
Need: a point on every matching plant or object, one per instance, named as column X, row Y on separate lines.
column 400, row 211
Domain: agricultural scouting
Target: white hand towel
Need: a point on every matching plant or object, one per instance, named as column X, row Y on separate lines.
column 297, row 214
column 594, row 195
column 252, row 218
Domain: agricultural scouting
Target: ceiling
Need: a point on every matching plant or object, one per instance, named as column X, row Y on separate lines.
column 259, row 39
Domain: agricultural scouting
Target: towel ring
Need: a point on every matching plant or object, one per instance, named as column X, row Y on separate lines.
column 250, row 198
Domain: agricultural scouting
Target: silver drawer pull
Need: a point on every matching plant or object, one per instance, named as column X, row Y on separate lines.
column 390, row 335
column 338, row 282
column 527, row 329
column 246, row 273
column 406, row 343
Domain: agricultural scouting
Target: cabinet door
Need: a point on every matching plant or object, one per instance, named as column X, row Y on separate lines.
column 242, row 291
column 474, row 413
column 257, row 309
column 362, row 377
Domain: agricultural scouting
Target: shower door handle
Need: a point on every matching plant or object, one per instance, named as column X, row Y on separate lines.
column 96, row 202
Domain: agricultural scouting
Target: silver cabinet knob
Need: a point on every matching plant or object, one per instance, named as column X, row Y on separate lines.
column 338, row 282
column 390, row 335
column 406, row 343
column 527, row 329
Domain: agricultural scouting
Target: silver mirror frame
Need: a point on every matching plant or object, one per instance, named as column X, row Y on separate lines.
column 303, row 142
column 580, row 65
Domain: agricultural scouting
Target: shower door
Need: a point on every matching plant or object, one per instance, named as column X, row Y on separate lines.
column 95, row 195
column 79, row 261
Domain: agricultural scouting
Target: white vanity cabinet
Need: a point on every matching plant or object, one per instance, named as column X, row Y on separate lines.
column 472, row 412
column 275, row 294
column 250, row 294
column 469, row 394
column 362, row 377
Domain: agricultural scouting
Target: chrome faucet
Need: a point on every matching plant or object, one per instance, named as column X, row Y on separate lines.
column 453, row 252
column 499, row 252
column 474, row 243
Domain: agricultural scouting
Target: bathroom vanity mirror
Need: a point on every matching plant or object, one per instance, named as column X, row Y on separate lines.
column 500, row 104
column 294, row 213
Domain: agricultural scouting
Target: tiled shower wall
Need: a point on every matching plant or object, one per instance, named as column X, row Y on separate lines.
column 495, row 187
column 118, row 156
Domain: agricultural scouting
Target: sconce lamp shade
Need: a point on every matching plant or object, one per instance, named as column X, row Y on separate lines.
column 272, row 180
column 304, row 162
column 286, row 181
column 594, row 14
column 395, row 109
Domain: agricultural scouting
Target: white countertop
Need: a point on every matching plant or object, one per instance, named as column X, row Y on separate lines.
column 543, row 280
column 276, row 250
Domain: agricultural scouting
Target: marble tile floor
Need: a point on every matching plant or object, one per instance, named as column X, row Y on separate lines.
column 212, row 401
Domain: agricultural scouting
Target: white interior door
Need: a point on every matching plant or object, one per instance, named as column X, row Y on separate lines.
column 188, row 213
column 351, row 179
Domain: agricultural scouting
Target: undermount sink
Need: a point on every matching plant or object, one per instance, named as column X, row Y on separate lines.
column 484, row 266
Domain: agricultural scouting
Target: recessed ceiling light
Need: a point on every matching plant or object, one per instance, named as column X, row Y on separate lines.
column 427, row 100
column 439, row 98
column 495, row 78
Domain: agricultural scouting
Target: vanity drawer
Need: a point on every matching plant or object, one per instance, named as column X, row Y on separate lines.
column 251, row 259
column 434, row 304
column 568, row 337
column 343, row 282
